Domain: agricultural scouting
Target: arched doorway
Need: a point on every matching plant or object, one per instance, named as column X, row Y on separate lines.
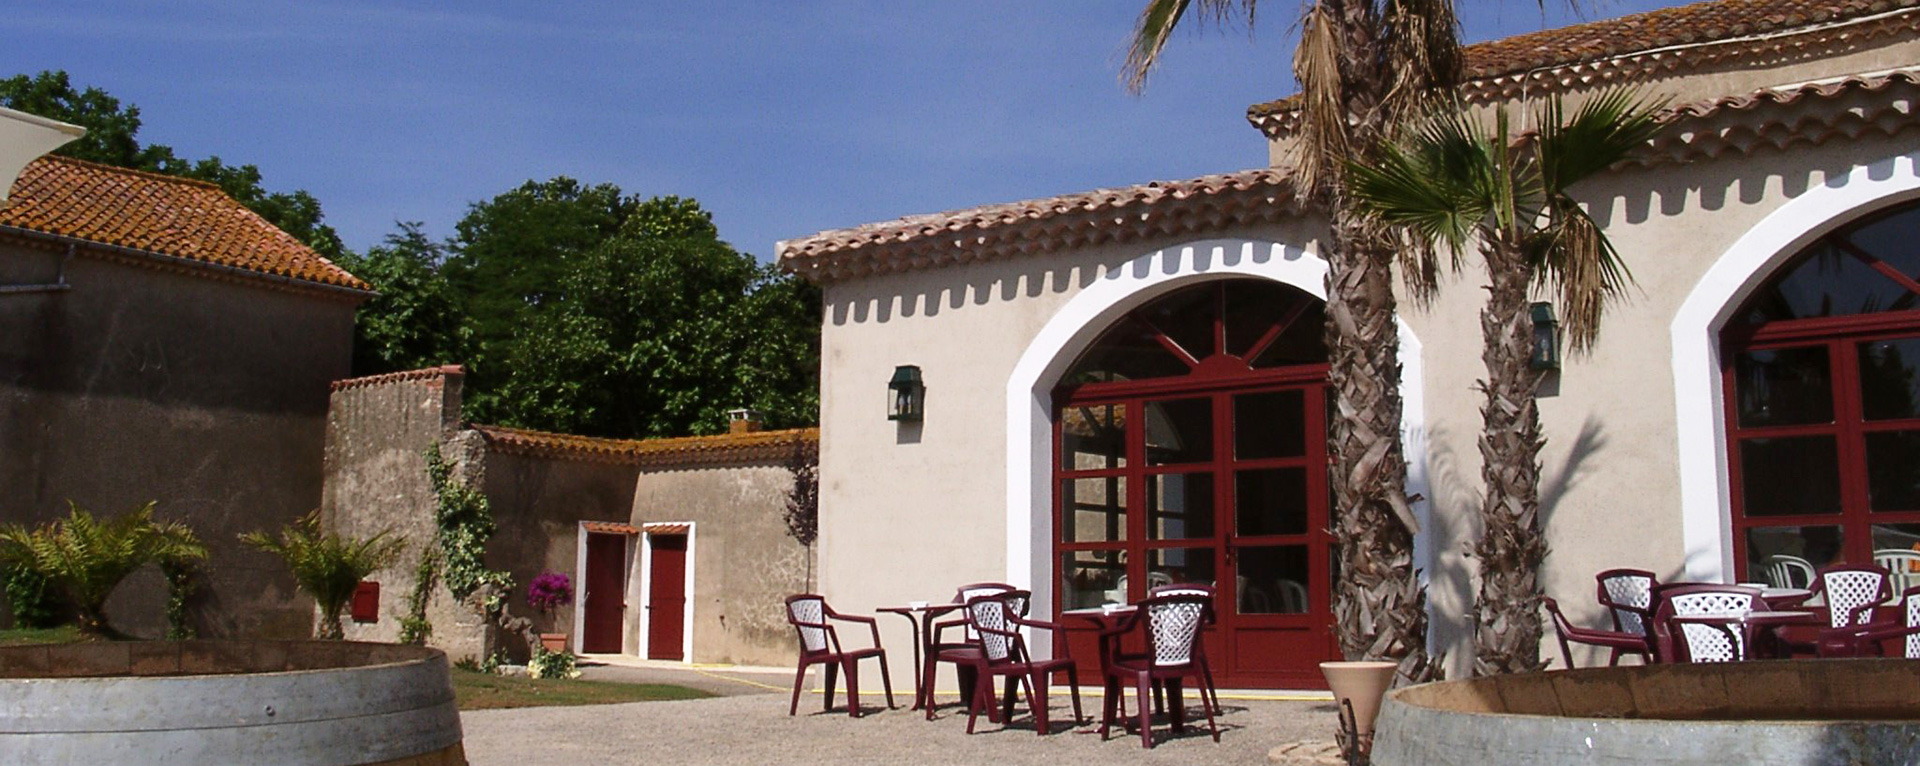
column 1821, row 369
column 1189, row 446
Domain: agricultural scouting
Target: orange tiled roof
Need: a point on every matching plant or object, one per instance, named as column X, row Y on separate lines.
column 1882, row 104
column 1679, row 29
column 689, row 451
column 158, row 214
column 1032, row 227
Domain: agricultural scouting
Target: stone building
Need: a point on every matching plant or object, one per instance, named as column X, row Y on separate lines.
column 1752, row 399
column 676, row 548
column 165, row 343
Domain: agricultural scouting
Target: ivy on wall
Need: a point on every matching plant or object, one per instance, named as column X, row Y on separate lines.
column 465, row 523
column 415, row 628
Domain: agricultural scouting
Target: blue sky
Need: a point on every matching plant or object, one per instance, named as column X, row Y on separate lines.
column 783, row 118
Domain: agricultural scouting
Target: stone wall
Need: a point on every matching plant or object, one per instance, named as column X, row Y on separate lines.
column 203, row 392
column 744, row 564
column 541, row 487
column 378, row 432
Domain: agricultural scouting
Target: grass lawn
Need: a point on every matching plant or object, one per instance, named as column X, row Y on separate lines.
column 25, row 636
column 480, row 691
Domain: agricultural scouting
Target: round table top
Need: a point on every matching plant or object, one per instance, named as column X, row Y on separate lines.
column 1757, row 616
column 1784, row 592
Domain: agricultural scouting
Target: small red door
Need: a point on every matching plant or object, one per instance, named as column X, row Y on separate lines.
column 667, row 597
column 606, row 593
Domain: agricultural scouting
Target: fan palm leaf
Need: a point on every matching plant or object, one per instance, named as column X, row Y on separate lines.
column 325, row 565
column 85, row 558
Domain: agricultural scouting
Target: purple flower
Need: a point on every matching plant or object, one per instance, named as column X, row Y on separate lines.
column 549, row 590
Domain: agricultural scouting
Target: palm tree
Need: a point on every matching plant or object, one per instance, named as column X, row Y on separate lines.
column 85, row 559
column 327, row 565
column 1363, row 66
column 1453, row 183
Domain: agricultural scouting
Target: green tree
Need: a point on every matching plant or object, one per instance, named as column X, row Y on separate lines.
column 327, row 565
column 84, row 559
column 112, row 138
column 1363, row 67
column 418, row 319
column 660, row 329
column 1452, row 184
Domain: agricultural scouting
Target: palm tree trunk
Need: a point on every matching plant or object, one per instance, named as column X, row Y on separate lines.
column 1507, row 627
column 1380, row 608
column 329, row 628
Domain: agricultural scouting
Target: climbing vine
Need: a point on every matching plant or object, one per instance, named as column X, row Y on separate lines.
column 182, row 581
column 465, row 523
column 414, row 625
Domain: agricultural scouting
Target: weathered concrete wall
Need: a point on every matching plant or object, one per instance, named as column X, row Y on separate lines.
column 207, row 395
column 538, row 504
column 378, row 431
column 744, row 563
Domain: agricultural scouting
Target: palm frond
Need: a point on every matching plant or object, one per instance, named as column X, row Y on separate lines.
column 1325, row 141
column 1603, row 131
column 326, row 565
column 1576, row 259
column 1435, row 189
column 1422, row 56
column 1155, row 27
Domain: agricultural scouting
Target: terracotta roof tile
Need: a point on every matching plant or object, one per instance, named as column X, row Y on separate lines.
column 178, row 217
column 610, row 527
column 690, row 451
column 1123, row 214
column 1885, row 104
column 1699, row 24
column 397, row 377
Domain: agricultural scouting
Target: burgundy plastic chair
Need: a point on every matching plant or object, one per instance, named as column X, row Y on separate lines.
column 1628, row 596
column 1210, row 693
column 996, row 621
column 1620, row 642
column 1702, row 642
column 820, row 645
column 964, row 654
column 1852, row 593
column 1173, row 622
column 1909, row 629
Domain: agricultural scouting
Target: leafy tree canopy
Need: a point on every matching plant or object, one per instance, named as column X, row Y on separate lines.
column 113, row 139
column 584, row 310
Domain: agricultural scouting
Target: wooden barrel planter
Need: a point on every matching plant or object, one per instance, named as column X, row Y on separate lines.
column 303, row 703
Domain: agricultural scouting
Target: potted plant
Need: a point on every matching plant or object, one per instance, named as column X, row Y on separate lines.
column 547, row 592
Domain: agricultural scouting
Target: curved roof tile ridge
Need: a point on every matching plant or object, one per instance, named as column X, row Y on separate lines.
column 1687, row 34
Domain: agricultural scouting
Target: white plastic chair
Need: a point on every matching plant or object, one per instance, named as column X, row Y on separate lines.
column 1709, row 642
column 1902, row 564
column 1784, row 571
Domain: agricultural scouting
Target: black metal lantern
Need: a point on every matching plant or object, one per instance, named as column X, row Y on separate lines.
column 1546, row 338
column 906, row 395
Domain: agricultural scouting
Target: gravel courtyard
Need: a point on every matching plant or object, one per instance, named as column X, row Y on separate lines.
column 752, row 727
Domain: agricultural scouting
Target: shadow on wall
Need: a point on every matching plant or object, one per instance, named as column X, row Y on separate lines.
column 1456, row 519
column 1640, row 193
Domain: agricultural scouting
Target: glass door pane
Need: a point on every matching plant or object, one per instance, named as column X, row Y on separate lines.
column 1790, row 476
column 1272, row 580
column 1092, row 578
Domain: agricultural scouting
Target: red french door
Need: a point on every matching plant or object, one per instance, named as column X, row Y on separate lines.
column 1214, row 473
column 605, row 594
column 1821, row 372
column 667, row 597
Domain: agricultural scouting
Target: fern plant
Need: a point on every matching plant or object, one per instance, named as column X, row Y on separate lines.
column 327, row 565
column 85, row 558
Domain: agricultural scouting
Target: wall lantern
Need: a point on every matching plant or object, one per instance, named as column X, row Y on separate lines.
column 906, row 395
column 1546, row 338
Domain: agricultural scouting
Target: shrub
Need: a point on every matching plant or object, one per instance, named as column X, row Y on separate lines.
column 84, row 559
column 550, row 590
column 326, row 565
column 547, row 664
column 29, row 597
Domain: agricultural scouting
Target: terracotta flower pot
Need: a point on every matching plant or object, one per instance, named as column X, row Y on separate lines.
column 1361, row 684
column 554, row 642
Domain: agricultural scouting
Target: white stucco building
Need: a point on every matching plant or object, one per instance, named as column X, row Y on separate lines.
column 1126, row 386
